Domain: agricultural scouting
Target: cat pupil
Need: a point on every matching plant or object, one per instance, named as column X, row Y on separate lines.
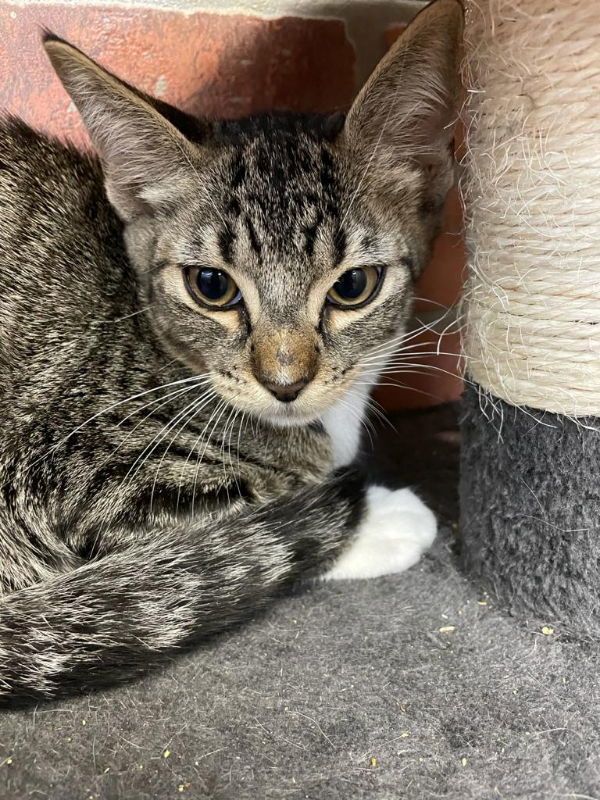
column 351, row 284
column 213, row 283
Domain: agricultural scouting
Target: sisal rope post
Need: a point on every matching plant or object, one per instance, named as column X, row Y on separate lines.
column 530, row 491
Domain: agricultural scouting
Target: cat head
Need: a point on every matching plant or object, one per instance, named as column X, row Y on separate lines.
column 275, row 253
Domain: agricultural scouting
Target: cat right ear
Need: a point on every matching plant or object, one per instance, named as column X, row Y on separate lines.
column 143, row 154
column 407, row 108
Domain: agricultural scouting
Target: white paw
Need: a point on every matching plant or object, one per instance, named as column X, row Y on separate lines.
column 392, row 536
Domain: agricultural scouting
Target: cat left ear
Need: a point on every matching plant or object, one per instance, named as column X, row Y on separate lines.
column 144, row 156
column 407, row 108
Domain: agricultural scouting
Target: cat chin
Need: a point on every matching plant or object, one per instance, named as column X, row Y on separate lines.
column 289, row 420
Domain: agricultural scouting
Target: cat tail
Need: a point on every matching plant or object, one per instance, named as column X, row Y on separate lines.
column 115, row 616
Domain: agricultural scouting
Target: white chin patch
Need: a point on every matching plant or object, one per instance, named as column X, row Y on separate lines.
column 395, row 531
column 288, row 420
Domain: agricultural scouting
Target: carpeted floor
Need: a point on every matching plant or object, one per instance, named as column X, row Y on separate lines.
column 409, row 687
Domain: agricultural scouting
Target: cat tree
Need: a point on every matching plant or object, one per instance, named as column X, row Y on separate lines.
column 530, row 484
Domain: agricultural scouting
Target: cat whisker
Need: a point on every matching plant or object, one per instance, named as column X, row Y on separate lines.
column 121, row 319
column 204, row 399
column 408, row 387
column 394, row 347
column 166, row 399
column 140, row 457
column 403, row 342
column 423, row 327
column 409, row 356
column 376, row 407
column 234, row 473
column 433, row 302
column 239, row 419
column 163, row 400
column 98, row 414
column 363, row 420
column 209, row 437
column 399, row 357
column 420, row 369
column 238, row 448
column 213, row 393
column 153, row 444
column 229, row 429
column 216, row 415
column 225, row 433
column 399, row 365
column 193, row 379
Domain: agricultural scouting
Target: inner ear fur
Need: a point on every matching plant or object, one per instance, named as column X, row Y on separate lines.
column 144, row 144
column 407, row 108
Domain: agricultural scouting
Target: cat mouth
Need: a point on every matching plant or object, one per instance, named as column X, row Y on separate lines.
column 287, row 416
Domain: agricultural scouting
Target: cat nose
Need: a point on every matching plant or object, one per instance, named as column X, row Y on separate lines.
column 285, row 392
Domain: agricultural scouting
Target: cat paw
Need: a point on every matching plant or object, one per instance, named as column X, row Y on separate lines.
column 396, row 529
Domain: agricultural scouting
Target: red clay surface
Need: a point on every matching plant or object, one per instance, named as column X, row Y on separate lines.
column 215, row 64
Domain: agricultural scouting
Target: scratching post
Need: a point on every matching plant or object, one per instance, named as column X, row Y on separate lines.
column 530, row 482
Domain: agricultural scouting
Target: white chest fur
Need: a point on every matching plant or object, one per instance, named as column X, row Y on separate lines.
column 343, row 423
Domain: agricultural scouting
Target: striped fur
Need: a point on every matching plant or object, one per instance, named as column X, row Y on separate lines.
column 151, row 490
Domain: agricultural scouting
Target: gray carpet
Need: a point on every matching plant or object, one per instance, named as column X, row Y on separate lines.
column 415, row 686
column 530, row 509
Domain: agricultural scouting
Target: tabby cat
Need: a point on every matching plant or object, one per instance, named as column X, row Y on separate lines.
column 190, row 324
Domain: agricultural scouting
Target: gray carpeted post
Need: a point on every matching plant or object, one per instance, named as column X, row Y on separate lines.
column 530, row 509
column 530, row 482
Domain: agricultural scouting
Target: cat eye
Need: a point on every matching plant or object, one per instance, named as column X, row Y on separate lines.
column 212, row 288
column 355, row 287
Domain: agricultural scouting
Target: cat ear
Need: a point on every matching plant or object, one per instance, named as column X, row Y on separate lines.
column 407, row 108
column 143, row 154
